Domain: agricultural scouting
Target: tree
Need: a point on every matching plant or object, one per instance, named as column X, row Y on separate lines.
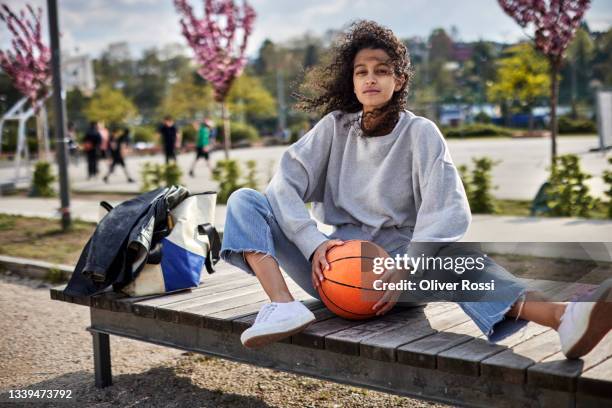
column 220, row 52
column 110, row 106
column 579, row 54
column 247, row 96
column 441, row 45
column 265, row 61
column 27, row 63
column 480, row 69
column 186, row 99
column 555, row 23
column 602, row 60
column 522, row 77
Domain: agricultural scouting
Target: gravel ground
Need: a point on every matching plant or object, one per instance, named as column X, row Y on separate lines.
column 44, row 346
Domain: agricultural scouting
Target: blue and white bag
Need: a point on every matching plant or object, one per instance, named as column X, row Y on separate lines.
column 192, row 245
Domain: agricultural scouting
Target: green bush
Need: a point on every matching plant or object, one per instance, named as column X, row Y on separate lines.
column 465, row 179
column 228, row 174
column 239, row 132
column 55, row 276
column 160, row 175
column 143, row 134
column 567, row 193
column 568, row 125
column 482, row 117
column 42, row 180
column 296, row 129
column 478, row 185
column 251, row 181
column 607, row 178
column 476, row 130
column 188, row 134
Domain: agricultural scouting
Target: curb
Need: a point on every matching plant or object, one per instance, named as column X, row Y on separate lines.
column 30, row 268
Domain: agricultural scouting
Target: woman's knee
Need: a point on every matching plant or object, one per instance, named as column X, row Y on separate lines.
column 245, row 198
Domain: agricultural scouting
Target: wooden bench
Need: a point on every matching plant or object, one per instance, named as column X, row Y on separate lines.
column 433, row 352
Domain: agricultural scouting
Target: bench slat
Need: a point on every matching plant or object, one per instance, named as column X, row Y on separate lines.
column 436, row 316
column 220, row 284
column 466, row 357
column 511, row 365
column 120, row 302
column 347, row 341
column 558, row 373
column 198, row 316
column 424, row 351
column 597, row 380
column 170, row 313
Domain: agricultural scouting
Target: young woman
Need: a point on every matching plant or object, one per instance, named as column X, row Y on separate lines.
column 376, row 172
column 202, row 144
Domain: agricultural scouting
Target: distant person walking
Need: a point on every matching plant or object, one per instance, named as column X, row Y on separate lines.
column 91, row 147
column 169, row 137
column 117, row 146
column 202, row 144
column 105, row 135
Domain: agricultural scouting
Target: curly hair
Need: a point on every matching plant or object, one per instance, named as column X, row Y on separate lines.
column 332, row 84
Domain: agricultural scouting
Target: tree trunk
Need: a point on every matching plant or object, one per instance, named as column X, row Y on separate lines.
column 40, row 135
column 574, row 102
column 530, row 123
column 226, row 129
column 554, row 71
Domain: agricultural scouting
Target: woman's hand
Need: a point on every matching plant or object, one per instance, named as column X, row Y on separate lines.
column 319, row 261
column 389, row 298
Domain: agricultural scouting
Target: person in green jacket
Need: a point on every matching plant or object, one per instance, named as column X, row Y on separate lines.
column 202, row 144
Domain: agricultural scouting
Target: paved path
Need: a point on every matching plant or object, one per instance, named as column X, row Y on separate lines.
column 523, row 166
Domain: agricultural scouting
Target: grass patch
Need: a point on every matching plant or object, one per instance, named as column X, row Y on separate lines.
column 513, row 207
column 55, row 276
column 522, row 208
column 43, row 239
column 6, row 222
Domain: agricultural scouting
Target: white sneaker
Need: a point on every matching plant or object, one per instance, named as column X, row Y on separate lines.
column 585, row 323
column 275, row 321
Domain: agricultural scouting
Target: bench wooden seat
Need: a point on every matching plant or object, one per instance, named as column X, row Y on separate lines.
column 434, row 352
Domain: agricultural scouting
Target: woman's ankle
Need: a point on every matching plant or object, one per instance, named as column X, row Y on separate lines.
column 282, row 298
column 558, row 313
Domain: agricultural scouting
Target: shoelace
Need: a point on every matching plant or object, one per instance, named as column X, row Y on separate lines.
column 265, row 312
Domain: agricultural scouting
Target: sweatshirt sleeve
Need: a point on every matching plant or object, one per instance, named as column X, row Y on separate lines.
column 301, row 179
column 443, row 211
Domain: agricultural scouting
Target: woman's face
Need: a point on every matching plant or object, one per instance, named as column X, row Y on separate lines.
column 373, row 78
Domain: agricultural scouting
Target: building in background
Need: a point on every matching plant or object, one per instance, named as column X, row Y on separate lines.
column 119, row 51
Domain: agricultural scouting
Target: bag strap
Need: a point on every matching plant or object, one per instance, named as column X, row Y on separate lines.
column 212, row 254
column 106, row 205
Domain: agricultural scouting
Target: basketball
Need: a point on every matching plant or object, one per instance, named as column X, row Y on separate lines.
column 347, row 289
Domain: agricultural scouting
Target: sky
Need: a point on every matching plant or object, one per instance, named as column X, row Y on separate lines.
column 89, row 26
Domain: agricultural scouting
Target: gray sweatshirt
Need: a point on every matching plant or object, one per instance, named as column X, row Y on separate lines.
column 395, row 190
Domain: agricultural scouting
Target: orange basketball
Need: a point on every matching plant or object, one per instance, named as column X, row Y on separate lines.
column 347, row 289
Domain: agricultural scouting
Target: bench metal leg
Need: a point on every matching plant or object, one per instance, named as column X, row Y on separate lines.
column 102, row 360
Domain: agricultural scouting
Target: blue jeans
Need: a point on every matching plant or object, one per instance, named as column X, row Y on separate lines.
column 250, row 226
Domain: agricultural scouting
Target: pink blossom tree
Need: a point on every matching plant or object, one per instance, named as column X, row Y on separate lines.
column 554, row 23
column 27, row 61
column 219, row 40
